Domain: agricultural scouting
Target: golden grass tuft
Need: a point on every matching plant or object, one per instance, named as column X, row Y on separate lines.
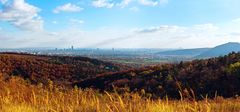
column 17, row 95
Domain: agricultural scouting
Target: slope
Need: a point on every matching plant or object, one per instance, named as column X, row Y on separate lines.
column 61, row 70
column 221, row 50
column 195, row 79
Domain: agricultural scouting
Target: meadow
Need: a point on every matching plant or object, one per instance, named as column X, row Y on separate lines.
column 18, row 95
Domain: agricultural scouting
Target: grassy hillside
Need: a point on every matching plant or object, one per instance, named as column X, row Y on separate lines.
column 61, row 70
column 165, row 88
column 196, row 79
column 17, row 95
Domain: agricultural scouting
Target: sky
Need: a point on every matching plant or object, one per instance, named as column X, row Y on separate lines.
column 118, row 23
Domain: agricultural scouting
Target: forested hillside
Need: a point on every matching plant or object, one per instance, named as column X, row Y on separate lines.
column 61, row 70
column 194, row 79
column 199, row 78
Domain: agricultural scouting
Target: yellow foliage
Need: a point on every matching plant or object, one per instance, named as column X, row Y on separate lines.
column 18, row 96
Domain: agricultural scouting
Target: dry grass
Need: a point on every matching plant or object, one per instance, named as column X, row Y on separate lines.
column 18, row 96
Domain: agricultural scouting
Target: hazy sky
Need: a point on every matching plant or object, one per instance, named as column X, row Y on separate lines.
column 119, row 23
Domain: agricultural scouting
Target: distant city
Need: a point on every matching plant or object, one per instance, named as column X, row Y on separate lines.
column 135, row 56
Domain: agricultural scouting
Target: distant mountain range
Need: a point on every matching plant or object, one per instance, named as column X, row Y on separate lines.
column 185, row 52
column 220, row 50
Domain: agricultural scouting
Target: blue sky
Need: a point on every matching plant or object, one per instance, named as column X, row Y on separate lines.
column 118, row 23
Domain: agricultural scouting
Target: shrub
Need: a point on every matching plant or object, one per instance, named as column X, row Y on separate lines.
column 234, row 69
